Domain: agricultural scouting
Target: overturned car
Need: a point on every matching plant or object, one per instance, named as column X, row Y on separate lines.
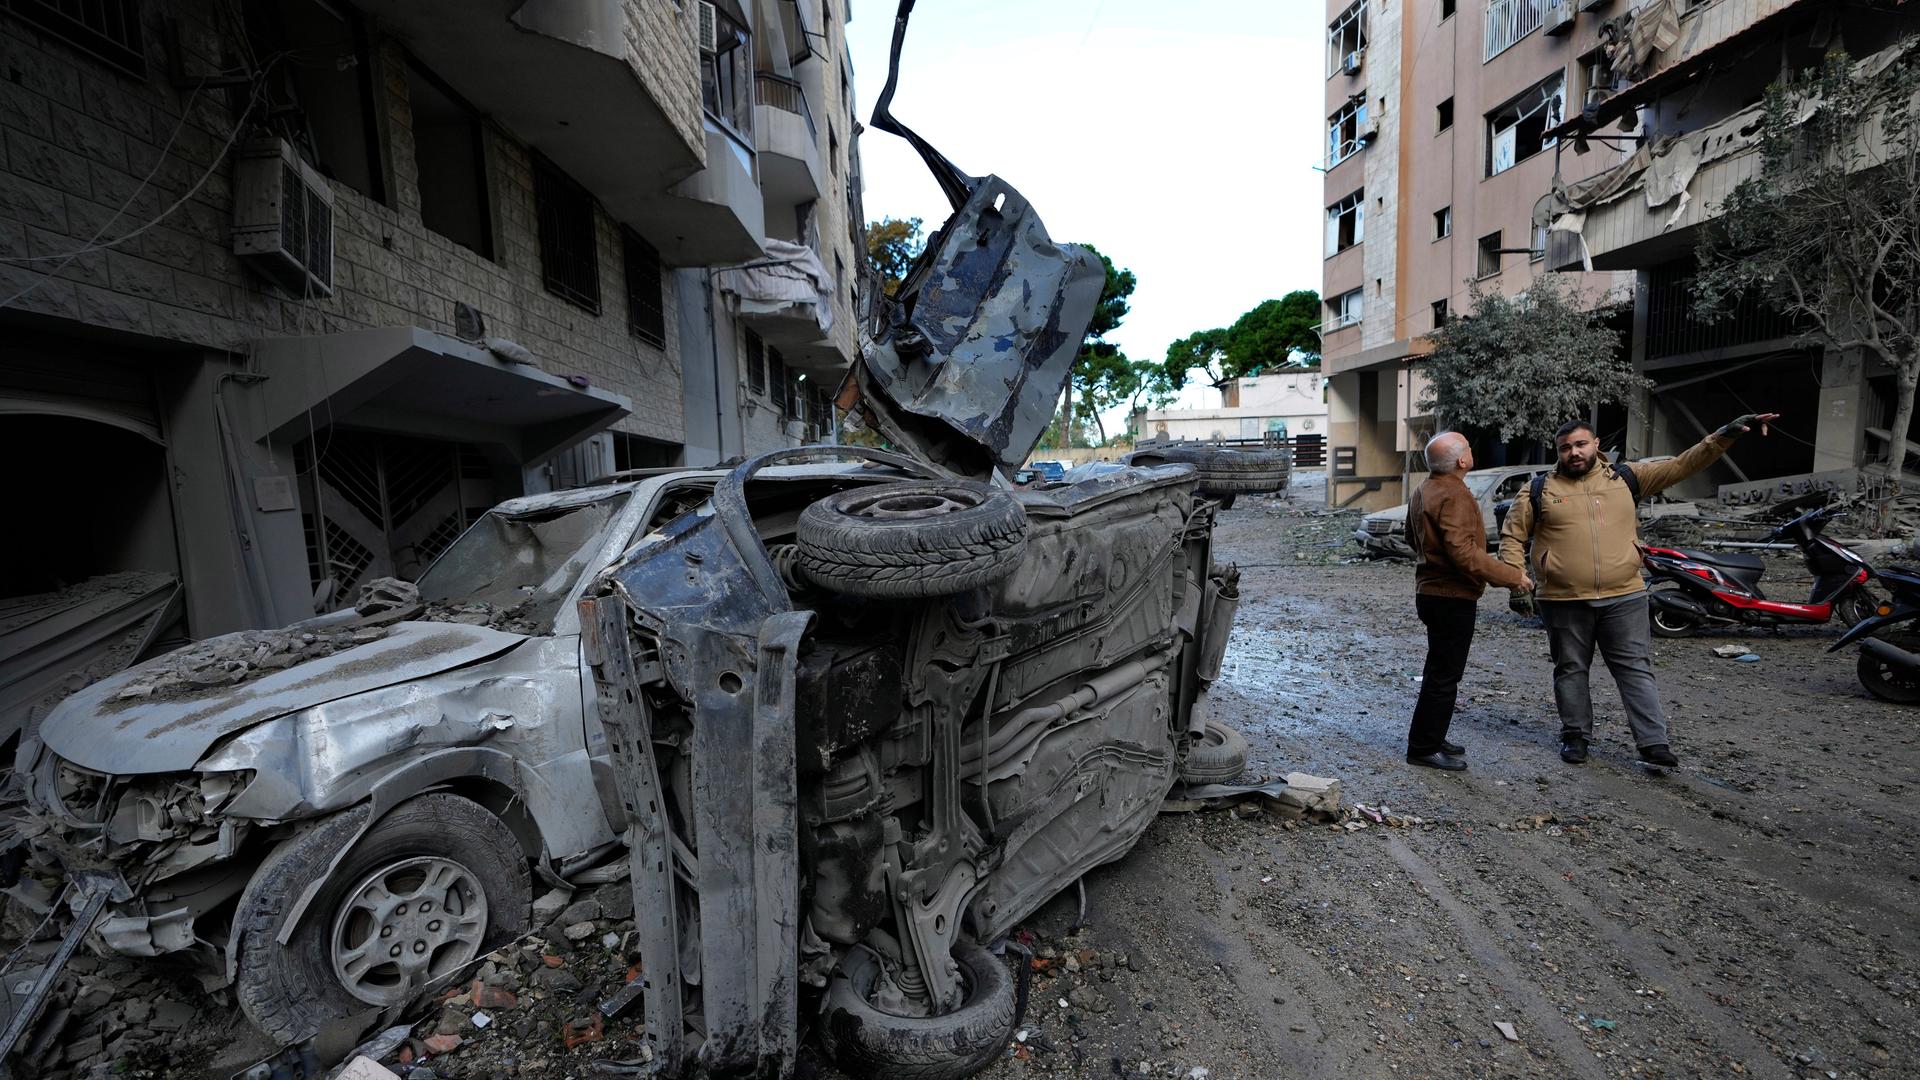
column 852, row 714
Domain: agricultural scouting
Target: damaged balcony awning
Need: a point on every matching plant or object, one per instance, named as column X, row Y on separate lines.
column 787, row 298
column 412, row 381
column 1643, row 211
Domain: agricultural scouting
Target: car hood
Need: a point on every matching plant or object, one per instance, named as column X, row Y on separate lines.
column 100, row 729
column 963, row 366
column 1391, row 513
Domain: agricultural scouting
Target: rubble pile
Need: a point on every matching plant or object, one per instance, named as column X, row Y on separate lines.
column 517, row 619
column 111, row 1017
column 238, row 658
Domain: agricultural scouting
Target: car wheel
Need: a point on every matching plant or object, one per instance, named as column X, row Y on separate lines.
column 911, row 540
column 1218, row 754
column 422, row 893
column 867, row 1043
column 1223, row 471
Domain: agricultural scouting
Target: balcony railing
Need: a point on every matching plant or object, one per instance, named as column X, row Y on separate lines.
column 1510, row 20
column 784, row 93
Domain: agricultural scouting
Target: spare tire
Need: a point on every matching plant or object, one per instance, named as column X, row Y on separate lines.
column 913, row 539
column 1224, row 471
column 1218, row 755
column 867, row 1043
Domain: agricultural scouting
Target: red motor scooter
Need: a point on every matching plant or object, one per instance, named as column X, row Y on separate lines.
column 1690, row 590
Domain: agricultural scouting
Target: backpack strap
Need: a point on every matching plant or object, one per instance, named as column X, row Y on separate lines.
column 1534, row 490
column 1625, row 472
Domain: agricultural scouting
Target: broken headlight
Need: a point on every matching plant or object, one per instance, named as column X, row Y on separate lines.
column 81, row 793
column 156, row 809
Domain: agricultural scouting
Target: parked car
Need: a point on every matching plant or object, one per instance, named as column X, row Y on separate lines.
column 1049, row 471
column 1384, row 532
column 856, row 712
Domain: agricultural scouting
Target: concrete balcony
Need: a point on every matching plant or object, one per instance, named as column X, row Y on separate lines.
column 561, row 75
column 791, row 172
column 714, row 216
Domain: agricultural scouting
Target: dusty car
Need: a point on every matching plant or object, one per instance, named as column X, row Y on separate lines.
column 850, row 714
column 1384, row 532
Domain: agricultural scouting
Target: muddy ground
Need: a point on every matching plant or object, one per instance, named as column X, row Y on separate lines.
column 1752, row 913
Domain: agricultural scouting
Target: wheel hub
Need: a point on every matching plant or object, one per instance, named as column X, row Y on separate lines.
column 917, row 504
column 405, row 925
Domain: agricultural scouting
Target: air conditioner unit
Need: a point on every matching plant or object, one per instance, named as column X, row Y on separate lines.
column 1558, row 18
column 283, row 218
column 708, row 22
column 796, row 429
column 1351, row 65
column 1596, row 95
column 1368, row 133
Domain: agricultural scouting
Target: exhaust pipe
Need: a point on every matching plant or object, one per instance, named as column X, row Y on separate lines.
column 1678, row 601
column 1890, row 654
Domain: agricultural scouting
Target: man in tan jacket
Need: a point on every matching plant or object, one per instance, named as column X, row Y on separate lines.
column 1449, row 541
column 1588, row 565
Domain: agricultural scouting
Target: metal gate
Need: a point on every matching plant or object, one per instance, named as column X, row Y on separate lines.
column 376, row 505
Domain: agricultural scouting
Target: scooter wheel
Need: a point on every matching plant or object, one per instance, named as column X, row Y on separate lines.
column 1670, row 623
column 1889, row 683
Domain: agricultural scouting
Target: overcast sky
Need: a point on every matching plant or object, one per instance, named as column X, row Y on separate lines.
column 1178, row 138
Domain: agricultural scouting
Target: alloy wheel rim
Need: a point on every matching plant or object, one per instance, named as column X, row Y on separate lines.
column 405, row 925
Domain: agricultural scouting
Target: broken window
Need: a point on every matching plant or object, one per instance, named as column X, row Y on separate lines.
column 1489, row 261
column 1346, row 309
column 1347, row 39
column 451, row 162
column 519, row 565
column 1443, row 116
column 1346, row 222
column 777, row 381
column 1344, row 129
column 1443, row 223
column 726, row 70
column 1517, row 130
column 646, row 314
column 323, row 103
column 569, row 261
column 756, row 362
column 1439, row 309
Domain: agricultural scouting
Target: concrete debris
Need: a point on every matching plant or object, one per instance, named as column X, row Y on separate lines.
column 1506, row 1031
column 361, row 1068
column 236, row 658
column 388, row 600
column 1732, row 652
column 516, row 619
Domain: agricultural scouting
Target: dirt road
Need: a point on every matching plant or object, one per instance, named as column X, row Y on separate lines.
column 1751, row 913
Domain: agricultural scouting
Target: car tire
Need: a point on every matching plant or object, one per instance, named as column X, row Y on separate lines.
column 867, row 1043
column 1223, row 471
column 1218, row 755
column 293, row 991
column 912, row 540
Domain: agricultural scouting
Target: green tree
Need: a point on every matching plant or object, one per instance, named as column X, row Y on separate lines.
column 1829, row 229
column 892, row 245
column 1523, row 365
column 1101, row 372
column 1275, row 334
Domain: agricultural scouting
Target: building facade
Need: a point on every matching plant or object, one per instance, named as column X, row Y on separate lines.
column 291, row 291
column 1279, row 404
column 1435, row 157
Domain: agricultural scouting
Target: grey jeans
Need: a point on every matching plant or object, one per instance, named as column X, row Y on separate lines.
column 1619, row 626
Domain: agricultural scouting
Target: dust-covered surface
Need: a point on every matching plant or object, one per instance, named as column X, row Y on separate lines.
column 1749, row 914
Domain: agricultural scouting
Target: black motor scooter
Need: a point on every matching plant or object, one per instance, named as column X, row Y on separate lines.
column 1691, row 589
column 1890, row 659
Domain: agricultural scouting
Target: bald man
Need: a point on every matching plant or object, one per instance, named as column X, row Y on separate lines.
column 1449, row 541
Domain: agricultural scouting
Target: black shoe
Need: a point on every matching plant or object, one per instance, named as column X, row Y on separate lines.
column 1453, row 748
column 1437, row 760
column 1573, row 751
column 1659, row 754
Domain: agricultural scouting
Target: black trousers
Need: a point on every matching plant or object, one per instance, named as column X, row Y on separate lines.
column 1449, row 621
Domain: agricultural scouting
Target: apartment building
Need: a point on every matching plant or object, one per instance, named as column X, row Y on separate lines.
column 292, row 290
column 1437, row 152
column 1690, row 80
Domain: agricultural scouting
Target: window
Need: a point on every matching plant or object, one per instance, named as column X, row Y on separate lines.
column 1443, row 116
column 1489, row 263
column 1510, row 20
column 777, row 381
column 1347, row 39
column 646, row 314
column 569, row 263
column 1346, row 223
column 1344, row 129
column 1346, row 309
column 1439, row 308
column 726, row 74
column 1539, row 249
column 320, row 104
column 107, row 30
column 756, row 363
column 1446, row 10
column 1517, row 130
column 833, row 150
column 451, row 161
column 1443, row 223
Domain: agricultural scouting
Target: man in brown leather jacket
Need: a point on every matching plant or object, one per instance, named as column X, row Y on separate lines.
column 1584, row 555
column 1449, row 541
